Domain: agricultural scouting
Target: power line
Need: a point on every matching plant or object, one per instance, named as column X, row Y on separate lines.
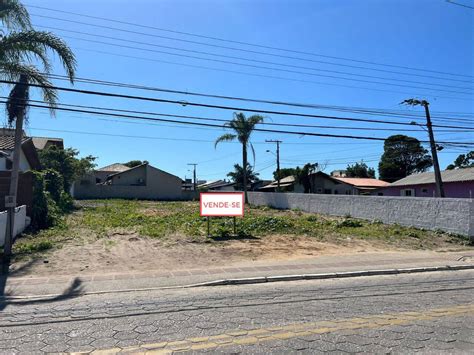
column 187, row 103
column 223, row 126
column 369, row 111
column 226, row 40
column 255, row 61
column 459, row 4
column 460, row 130
column 263, row 75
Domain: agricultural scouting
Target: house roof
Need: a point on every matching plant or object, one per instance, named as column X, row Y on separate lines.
column 41, row 142
column 118, row 172
column 7, row 139
column 7, row 144
column 116, row 168
column 215, row 184
column 287, row 181
column 362, row 182
column 457, row 175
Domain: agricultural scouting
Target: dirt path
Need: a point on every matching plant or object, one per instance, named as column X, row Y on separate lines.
column 131, row 253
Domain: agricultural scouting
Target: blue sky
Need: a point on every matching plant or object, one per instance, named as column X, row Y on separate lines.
column 429, row 34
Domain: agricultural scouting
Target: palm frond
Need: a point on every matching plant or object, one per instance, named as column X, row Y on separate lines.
column 253, row 153
column 19, row 47
column 14, row 15
column 45, row 41
column 14, row 71
column 228, row 137
column 254, row 120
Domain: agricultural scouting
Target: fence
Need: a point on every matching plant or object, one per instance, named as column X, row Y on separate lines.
column 446, row 214
column 21, row 222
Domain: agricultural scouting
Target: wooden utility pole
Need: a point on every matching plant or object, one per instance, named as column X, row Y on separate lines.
column 194, row 176
column 434, row 151
column 277, row 142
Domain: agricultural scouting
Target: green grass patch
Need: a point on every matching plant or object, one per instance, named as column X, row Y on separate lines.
column 165, row 220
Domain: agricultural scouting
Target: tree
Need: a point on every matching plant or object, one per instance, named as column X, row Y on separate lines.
column 360, row 170
column 463, row 161
column 285, row 172
column 20, row 45
column 237, row 175
column 403, row 156
column 243, row 128
column 66, row 163
column 134, row 163
column 303, row 175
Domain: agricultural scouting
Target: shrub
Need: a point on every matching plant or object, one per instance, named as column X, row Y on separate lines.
column 349, row 223
column 45, row 212
column 53, row 183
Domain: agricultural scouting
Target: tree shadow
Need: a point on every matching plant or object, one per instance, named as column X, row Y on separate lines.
column 239, row 236
column 75, row 289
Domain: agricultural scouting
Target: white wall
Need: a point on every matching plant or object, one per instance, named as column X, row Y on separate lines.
column 24, row 165
column 447, row 214
column 20, row 223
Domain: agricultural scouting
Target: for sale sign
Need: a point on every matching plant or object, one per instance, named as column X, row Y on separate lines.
column 222, row 204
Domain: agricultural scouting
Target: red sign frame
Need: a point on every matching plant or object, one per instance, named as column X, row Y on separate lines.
column 221, row 193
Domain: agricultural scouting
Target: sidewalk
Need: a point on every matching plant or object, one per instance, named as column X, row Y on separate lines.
column 55, row 285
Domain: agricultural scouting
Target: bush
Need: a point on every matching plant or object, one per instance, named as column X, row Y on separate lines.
column 45, row 212
column 349, row 223
column 53, row 183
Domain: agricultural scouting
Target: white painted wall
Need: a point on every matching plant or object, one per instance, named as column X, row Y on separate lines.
column 21, row 222
column 455, row 215
column 24, row 165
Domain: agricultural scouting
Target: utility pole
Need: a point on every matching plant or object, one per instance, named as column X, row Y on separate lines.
column 277, row 142
column 434, row 149
column 194, row 175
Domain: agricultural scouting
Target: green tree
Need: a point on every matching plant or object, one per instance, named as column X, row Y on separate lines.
column 243, row 128
column 403, row 156
column 285, row 172
column 360, row 170
column 134, row 163
column 463, row 161
column 237, row 175
column 66, row 163
column 20, row 46
column 303, row 176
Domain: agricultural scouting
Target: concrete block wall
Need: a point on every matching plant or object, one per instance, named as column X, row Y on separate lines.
column 21, row 222
column 447, row 214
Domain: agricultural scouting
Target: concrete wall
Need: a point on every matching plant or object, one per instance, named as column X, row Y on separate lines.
column 135, row 176
column 21, row 222
column 159, row 186
column 447, row 214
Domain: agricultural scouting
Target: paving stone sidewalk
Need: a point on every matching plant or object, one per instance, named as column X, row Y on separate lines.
column 31, row 285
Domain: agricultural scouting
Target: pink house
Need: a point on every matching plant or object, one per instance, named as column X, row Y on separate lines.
column 457, row 183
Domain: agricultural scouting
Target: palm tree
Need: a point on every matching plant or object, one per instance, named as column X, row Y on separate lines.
column 20, row 47
column 243, row 128
column 237, row 175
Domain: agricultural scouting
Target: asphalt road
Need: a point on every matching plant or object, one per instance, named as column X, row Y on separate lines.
column 431, row 313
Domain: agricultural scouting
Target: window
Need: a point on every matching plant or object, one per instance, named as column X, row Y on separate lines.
column 380, row 194
column 327, row 191
column 425, row 191
column 319, row 191
column 348, row 192
column 407, row 192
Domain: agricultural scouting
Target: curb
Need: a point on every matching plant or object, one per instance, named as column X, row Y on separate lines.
column 257, row 280
column 332, row 275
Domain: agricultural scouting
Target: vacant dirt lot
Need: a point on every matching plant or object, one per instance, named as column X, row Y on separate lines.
column 120, row 236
